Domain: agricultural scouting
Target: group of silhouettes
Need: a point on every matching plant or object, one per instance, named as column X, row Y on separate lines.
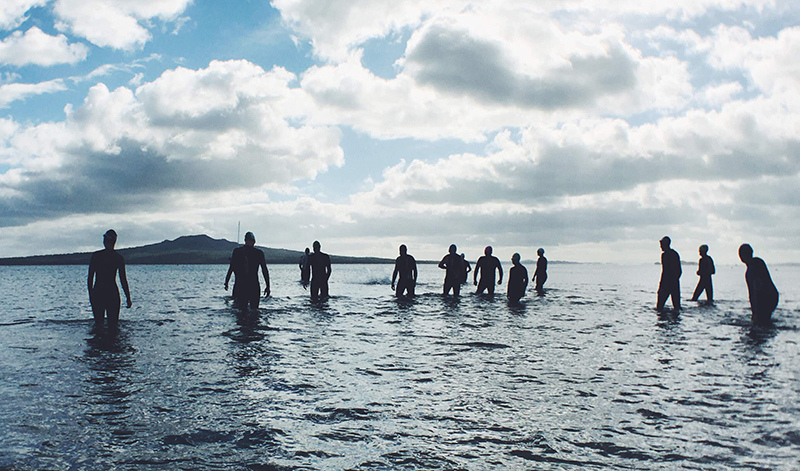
column 457, row 270
column 315, row 270
column 761, row 290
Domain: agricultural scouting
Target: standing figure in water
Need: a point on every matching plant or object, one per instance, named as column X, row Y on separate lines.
column 670, row 284
column 320, row 263
column 245, row 262
column 486, row 266
column 540, row 275
column 517, row 280
column 467, row 269
column 452, row 263
column 762, row 291
column 705, row 268
column 406, row 267
column 102, row 282
column 305, row 268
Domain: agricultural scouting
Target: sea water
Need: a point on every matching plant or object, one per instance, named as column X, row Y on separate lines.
column 588, row 376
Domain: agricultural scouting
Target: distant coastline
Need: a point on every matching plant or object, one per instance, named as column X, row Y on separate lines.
column 187, row 250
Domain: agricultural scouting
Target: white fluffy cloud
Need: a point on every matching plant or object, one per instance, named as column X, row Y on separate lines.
column 12, row 92
column 38, row 48
column 119, row 24
column 12, row 12
column 123, row 148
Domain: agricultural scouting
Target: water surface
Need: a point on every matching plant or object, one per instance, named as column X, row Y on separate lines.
column 587, row 377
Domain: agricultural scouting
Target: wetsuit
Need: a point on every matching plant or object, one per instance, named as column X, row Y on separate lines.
column 486, row 266
column 517, row 282
column 305, row 270
column 453, row 264
column 104, row 294
column 670, row 284
column 540, row 274
column 320, row 264
column 705, row 268
column 245, row 262
column 406, row 267
column 762, row 291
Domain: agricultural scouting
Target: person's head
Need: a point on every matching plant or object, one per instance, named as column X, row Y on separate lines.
column 665, row 241
column 316, row 246
column 487, row 250
column 464, row 256
column 453, row 248
column 703, row 250
column 249, row 239
column 308, row 251
column 515, row 258
column 403, row 249
column 745, row 253
column 540, row 251
column 109, row 239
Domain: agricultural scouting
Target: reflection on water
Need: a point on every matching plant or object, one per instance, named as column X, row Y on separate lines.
column 588, row 376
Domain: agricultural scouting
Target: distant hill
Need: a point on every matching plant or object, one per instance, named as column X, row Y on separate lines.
column 186, row 250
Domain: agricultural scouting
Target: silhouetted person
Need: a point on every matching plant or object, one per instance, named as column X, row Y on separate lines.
column 305, row 268
column 540, row 275
column 670, row 284
column 486, row 267
column 517, row 280
column 705, row 268
column 467, row 269
column 453, row 264
column 102, row 282
column 406, row 268
column 320, row 272
column 762, row 291
column 245, row 262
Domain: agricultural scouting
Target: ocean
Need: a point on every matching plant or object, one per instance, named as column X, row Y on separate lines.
column 588, row 376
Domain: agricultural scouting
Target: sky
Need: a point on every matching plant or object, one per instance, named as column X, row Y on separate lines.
column 590, row 128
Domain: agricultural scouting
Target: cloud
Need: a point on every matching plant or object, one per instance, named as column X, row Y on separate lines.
column 37, row 48
column 12, row 92
column 119, row 24
column 121, row 149
column 335, row 29
column 12, row 12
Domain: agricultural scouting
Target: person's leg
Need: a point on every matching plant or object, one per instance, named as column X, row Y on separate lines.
column 698, row 290
column 112, row 308
column 662, row 298
column 709, row 290
column 675, row 294
column 314, row 290
column 98, row 308
column 323, row 293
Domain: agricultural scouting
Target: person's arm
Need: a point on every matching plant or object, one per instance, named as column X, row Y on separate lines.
column 475, row 272
column 228, row 276
column 123, row 279
column 265, row 272
column 443, row 265
column 713, row 269
column 394, row 273
column 90, row 280
column 500, row 271
column 414, row 270
column 328, row 267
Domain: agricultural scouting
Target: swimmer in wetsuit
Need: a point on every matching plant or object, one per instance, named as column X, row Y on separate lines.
column 486, row 266
column 760, row 288
column 320, row 263
column 467, row 269
column 540, row 275
column 705, row 268
column 670, row 284
column 406, row 267
column 102, row 282
column 245, row 262
column 453, row 264
column 517, row 280
column 305, row 268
